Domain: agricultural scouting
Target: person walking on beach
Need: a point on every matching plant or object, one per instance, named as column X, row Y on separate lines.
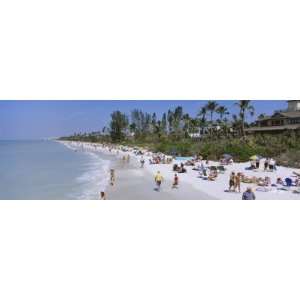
column 232, row 181
column 237, row 182
column 158, row 180
column 176, row 182
column 248, row 194
column 142, row 161
column 112, row 177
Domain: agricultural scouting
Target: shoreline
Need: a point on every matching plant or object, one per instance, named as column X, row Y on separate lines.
column 133, row 178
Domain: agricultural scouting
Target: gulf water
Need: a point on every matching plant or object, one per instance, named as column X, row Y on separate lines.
column 50, row 170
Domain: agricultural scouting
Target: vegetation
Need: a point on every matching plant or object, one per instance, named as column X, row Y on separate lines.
column 244, row 106
column 173, row 134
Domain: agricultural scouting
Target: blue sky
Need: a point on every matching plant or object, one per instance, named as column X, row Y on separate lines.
column 42, row 119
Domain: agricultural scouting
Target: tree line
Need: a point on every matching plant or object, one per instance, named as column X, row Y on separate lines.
column 177, row 124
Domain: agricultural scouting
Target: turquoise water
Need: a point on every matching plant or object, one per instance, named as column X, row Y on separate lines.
column 49, row 170
column 183, row 158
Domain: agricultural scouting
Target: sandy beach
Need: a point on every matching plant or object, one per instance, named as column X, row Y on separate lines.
column 133, row 182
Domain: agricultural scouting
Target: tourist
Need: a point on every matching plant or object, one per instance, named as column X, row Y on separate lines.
column 142, row 161
column 257, row 163
column 267, row 181
column 231, row 181
column 176, row 181
column 102, row 196
column 213, row 175
column 279, row 181
column 266, row 164
column 237, row 182
column 158, row 180
column 248, row 194
column 112, row 177
column 272, row 164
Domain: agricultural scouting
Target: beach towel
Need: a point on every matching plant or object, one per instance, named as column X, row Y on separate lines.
column 263, row 189
column 283, row 189
column 297, row 191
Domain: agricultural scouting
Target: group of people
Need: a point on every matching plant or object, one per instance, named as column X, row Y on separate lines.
column 160, row 159
column 159, row 179
column 262, row 183
column 269, row 164
column 235, row 186
column 112, row 183
column 226, row 161
column 179, row 168
column 126, row 158
column 235, row 182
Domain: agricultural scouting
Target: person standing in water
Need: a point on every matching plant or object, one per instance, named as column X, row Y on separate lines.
column 112, row 177
column 102, row 196
column 158, row 180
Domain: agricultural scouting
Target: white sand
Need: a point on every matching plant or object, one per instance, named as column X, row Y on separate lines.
column 213, row 189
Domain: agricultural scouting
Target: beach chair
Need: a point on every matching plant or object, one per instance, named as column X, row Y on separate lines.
column 221, row 169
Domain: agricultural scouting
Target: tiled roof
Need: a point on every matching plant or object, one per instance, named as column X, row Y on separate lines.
column 291, row 114
column 282, row 114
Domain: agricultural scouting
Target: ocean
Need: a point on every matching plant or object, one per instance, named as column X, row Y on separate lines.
column 50, row 170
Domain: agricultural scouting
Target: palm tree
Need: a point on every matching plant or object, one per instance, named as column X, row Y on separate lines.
column 170, row 118
column 245, row 107
column 211, row 107
column 202, row 113
column 186, row 124
column 193, row 125
column 222, row 111
column 261, row 116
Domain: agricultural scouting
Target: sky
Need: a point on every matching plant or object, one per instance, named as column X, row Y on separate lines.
column 46, row 119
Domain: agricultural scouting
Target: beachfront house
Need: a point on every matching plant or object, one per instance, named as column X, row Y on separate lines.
column 279, row 121
column 204, row 131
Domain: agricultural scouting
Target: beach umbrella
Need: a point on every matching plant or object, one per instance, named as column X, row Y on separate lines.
column 255, row 157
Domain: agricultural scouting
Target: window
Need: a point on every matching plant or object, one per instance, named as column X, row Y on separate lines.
column 295, row 121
